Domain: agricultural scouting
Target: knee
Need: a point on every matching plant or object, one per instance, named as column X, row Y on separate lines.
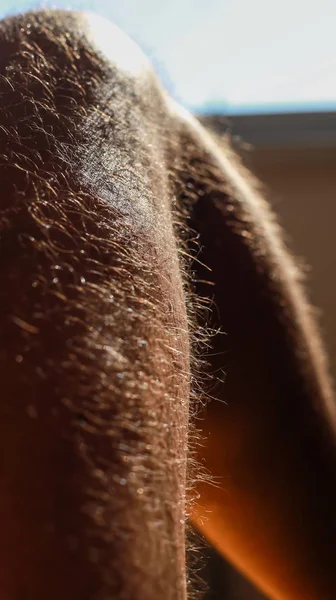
column 71, row 39
column 83, row 177
column 77, row 97
column 81, row 140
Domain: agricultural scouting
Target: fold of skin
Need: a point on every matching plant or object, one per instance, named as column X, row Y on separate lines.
column 270, row 423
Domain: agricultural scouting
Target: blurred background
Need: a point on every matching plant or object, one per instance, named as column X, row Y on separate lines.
column 264, row 73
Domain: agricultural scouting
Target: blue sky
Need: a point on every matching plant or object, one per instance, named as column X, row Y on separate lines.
column 230, row 55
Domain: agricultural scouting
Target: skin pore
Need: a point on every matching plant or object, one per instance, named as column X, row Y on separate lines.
column 128, row 239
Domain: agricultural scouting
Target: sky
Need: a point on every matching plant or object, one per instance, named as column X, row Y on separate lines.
column 230, row 56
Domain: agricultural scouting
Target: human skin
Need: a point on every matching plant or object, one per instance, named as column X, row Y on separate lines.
column 95, row 350
column 105, row 184
column 270, row 425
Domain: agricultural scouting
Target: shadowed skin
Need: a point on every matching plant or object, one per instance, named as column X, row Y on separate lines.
column 105, row 185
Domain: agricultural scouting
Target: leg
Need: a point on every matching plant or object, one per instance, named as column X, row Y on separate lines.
column 271, row 432
column 94, row 351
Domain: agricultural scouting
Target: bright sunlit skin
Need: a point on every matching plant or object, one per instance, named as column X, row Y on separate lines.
column 138, row 264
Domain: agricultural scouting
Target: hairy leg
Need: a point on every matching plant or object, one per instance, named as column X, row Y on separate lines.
column 95, row 343
column 270, row 426
column 94, row 354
